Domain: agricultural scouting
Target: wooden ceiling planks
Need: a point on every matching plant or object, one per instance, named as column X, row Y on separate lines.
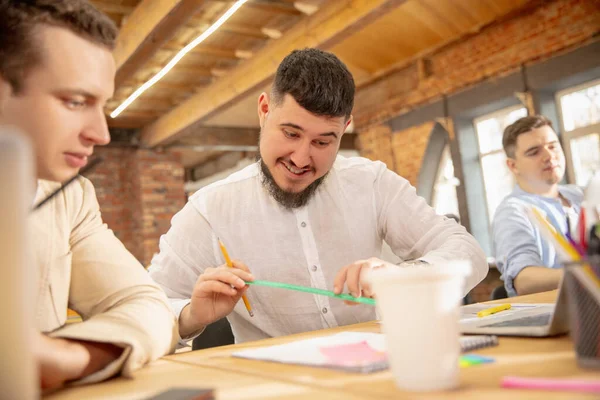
column 236, row 40
column 334, row 22
column 249, row 42
column 414, row 28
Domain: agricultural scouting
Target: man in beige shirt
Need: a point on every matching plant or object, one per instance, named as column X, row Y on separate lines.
column 56, row 74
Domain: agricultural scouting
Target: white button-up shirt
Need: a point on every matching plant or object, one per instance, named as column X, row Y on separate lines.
column 359, row 205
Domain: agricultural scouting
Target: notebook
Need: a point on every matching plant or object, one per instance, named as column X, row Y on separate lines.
column 348, row 351
column 184, row 394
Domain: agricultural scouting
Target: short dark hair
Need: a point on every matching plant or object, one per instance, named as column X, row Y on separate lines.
column 19, row 50
column 317, row 80
column 520, row 126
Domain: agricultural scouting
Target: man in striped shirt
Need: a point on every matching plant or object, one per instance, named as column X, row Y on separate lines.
column 527, row 261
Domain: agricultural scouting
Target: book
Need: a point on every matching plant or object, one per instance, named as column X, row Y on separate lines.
column 361, row 352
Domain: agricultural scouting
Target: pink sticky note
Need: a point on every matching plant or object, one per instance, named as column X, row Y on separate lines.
column 351, row 354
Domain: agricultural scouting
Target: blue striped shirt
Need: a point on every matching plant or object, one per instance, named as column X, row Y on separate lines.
column 518, row 243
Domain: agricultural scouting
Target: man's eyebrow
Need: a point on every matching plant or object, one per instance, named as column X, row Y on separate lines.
column 298, row 127
column 80, row 92
column 531, row 149
column 329, row 134
column 538, row 146
column 291, row 125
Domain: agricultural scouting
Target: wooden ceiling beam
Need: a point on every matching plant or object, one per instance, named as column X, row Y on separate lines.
column 275, row 8
column 214, row 165
column 192, row 70
column 222, row 136
column 200, row 25
column 139, row 114
column 270, row 6
column 164, row 84
column 152, row 24
column 132, row 119
column 334, row 22
column 244, row 30
column 308, row 7
column 205, row 50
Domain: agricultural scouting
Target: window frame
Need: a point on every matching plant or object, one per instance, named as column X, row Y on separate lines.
column 494, row 114
column 440, row 169
column 567, row 136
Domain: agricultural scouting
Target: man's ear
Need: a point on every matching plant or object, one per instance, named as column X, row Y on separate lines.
column 349, row 125
column 5, row 93
column 512, row 165
column 263, row 108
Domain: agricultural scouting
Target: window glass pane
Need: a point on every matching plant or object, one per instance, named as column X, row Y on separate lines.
column 581, row 108
column 497, row 178
column 585, row 154
column 444, row 199
column 489, row 129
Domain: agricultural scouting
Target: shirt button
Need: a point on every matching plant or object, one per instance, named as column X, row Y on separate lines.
column 303, row 224
column 324, row 310
column 314, row 268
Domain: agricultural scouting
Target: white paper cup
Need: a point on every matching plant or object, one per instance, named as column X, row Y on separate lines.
column 419, row 307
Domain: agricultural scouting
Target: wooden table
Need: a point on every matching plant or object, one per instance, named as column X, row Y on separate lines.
column 235, row 378
column 164, row 374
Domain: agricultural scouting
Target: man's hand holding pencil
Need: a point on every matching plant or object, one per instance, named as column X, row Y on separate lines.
column 215, row 294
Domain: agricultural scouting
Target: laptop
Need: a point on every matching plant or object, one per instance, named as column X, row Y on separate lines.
column 522, row 319
column 18, row 370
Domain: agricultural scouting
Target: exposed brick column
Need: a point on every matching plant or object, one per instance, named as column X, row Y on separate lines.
column 409, row 147
column 161, row 196
column 375, row 143
column 139, row 191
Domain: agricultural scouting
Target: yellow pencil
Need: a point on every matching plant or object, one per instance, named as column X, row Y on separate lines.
column 554, row 236
column 493, row 310
column 230, row 265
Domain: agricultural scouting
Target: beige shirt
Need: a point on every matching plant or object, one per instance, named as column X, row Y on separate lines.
column 359, row 205
column 83, row 266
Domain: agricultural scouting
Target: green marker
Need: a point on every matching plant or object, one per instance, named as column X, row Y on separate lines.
column 343, row 296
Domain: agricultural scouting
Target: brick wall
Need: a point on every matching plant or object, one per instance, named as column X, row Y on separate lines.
column 408, row 147
column 375, row 143
column 139, row 191
column 109, row 179
column 401, row 151
column 535, row 34
column 541, row 31
column 162, row 195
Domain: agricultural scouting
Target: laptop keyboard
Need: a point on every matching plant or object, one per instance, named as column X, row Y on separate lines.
column 534, row 320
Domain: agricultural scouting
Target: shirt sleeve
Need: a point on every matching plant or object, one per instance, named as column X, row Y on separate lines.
column 413, row 229
column 111, row 290
column 182, row 259
column 515, row 242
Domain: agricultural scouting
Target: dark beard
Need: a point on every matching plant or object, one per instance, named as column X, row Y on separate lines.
column 289, row 200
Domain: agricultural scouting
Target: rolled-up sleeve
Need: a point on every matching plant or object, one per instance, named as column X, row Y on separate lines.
column 515, row 241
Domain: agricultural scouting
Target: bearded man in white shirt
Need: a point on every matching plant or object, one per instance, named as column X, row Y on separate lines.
column 301, row 215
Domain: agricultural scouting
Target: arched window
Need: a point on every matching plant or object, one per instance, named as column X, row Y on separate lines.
column 580, row 117
column 436, row 182
column 497, row 178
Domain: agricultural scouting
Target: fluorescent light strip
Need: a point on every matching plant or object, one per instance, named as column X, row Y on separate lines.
column 176, row 59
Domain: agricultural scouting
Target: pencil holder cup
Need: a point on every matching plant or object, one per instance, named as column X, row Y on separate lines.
column 583, row 292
